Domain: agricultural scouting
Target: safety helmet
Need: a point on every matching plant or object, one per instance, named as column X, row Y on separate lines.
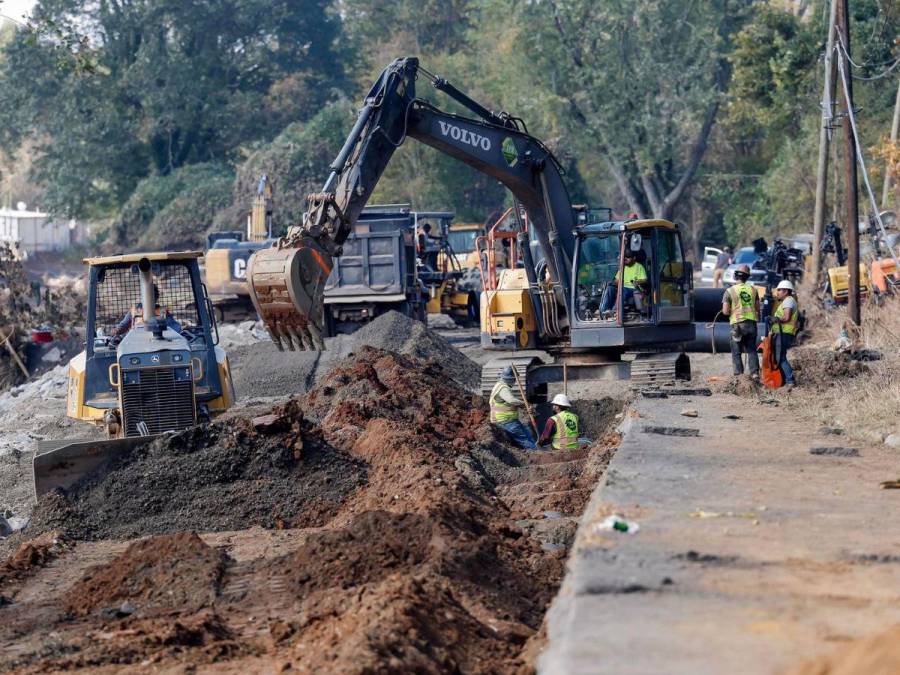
column 508, row 375
column 742, row 270
column 562, row 400
column 785, row 285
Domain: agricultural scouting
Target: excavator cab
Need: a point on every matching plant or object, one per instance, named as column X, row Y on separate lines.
column 151, row 362
column 630, row 274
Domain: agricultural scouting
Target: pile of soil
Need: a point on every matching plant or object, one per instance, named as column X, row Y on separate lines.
column 877, row 655
column 28, row 557
column 418, row 565
column 176, row 571
column 261, row 371
column 229, row 475
column 820, row 367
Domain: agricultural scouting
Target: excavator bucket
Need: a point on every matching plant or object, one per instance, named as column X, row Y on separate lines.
column 287, row 285
column 61, row 464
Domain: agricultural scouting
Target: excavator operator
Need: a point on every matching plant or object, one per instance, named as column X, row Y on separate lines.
column 135, row 316
column 635, row 277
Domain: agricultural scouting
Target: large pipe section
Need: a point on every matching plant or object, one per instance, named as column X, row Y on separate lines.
column 718, row 334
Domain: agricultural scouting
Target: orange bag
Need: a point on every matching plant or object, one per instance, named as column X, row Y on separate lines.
column 772, row 377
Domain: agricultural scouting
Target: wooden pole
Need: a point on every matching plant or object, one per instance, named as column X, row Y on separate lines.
column 851, row 216
column 824, row 137
column 527, row 407
column 895, row 128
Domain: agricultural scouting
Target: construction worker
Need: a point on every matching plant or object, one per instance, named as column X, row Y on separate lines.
column 741, row 304
column 635, row 275
column 723, row 260
column 135, row 316
column 784, row 327
column 562, row 428
column 505, row 411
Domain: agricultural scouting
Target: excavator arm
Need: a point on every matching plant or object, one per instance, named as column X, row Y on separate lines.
column 287, row 281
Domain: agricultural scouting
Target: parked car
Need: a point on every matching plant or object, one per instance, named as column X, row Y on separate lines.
column 744, row 256
column 710, row 254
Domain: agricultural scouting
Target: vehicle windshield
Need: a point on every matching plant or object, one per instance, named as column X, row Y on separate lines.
column 462, row 241
column 118, row 295
column 745, row 256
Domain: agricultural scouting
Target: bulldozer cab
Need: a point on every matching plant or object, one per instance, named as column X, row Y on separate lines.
column 114, row 321
column 630, row 276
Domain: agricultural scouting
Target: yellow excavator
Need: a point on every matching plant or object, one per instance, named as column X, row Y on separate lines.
column 568, row 264
column 151, row 362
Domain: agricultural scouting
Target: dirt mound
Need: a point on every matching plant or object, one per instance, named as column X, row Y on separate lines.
column 176, row 571
column 418, row 565
column 30, row 556
column 260, row 370
column 876, row 655
column 418, row 397
column 226, row 476
column 820, row 367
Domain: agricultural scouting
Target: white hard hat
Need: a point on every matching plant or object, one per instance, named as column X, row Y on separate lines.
column 785, row 285
column 563, row 400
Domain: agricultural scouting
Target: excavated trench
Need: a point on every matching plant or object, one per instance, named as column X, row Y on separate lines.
column 375, row 524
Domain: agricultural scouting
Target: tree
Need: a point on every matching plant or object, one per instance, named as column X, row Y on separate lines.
column 644, row 82
column 150, row 86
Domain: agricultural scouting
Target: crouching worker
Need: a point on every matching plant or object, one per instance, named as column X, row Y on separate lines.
column 505, row 411
column 562, row 428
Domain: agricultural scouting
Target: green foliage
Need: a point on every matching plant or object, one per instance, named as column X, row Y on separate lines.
column 175, row 210
column 296, row 163
column 773, row 72
column 152, row 86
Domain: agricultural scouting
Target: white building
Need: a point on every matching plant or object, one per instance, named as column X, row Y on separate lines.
column 34, row 231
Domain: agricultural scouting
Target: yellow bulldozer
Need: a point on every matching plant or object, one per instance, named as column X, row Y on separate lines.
column 151, row 362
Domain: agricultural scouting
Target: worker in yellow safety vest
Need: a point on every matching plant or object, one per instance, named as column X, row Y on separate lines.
column 784, row 327
column 562, row 429
column 741, row 304
column 505, row 411
column 634, row 277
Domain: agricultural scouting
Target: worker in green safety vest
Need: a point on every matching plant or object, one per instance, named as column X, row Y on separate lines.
column 505, row 411
column 562, row 429
column 784, row 327
column 741, row 304
column 635, row 276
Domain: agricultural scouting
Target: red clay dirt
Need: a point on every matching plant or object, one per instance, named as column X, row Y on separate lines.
column 418, row 567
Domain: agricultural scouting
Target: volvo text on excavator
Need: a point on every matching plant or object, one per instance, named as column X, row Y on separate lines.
column 568, row 262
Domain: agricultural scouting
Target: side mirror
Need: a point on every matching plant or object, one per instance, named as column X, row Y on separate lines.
column 636, row 242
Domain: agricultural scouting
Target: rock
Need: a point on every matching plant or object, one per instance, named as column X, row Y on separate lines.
column 441, row 322
column 247, row 326
column 52, row 356
column 690, row 412
column 892, row 441
column 835, row 451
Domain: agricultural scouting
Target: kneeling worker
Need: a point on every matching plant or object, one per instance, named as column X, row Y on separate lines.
column 562, row 428
column 505, row 411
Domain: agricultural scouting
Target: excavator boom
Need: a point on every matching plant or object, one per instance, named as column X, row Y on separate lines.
column 287, row 280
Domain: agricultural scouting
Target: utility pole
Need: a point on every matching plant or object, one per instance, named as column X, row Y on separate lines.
column 895, row 128
column 851, row 217
column 824, row 138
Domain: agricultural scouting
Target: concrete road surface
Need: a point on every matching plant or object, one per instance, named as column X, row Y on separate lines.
column 752, row 552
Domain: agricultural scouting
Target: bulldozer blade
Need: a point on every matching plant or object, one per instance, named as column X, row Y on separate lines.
column 287, row 286
column 60, row 464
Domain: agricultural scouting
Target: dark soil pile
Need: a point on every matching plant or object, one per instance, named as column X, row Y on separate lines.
column 226, row 476
column 260, row 370
column 176, row 571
